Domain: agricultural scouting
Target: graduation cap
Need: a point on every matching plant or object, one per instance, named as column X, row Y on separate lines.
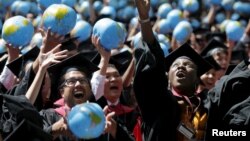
column 212, row 44
column 120, row 60
column 186, row 50
column 212, row 62
column 219, row 36
column 76, row 62
column 238, row 56
column 69, row 44
column 35, row 133
column 17, row 65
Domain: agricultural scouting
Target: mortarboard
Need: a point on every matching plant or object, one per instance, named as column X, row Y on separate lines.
column 238, row 56
column 185, row 50
column 17, row 65
column 212, row 44
column 120, row 60
column 212, row 62
column 35, row 133
column 219, row 36
column 77, row 61
column 69, row 44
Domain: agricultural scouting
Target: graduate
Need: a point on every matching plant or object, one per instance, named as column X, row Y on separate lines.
column 174, row 109
column 71, row 79
column 108, row 86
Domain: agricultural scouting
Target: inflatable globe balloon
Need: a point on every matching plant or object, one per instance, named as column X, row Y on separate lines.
column 18, row 31
column 97, row 6
column 164, row 49
column 163, row 10
column 164, row 26
column 6, row 3
column 108, row 10
column 36, row 40
column 220, row 17
column 234, row 30
column 182, row 32
column 70, row 3
column 227, row 4
column 60, row 18
column 46, row 3
column 86, row 121
column 82, row 31
column 195, row 23
column 111, row 34
column 23, row 8
column 84, row 9
column 190, row 5
column 242, row 7
column 223, row 25
column 174, row 16
column 215, row 2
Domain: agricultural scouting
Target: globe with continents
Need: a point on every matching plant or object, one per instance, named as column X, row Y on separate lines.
column 60, row 18
column 86, row 121
column 17, row 31
column 111, row 34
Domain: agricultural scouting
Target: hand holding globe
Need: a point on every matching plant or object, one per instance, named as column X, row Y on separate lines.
column 60, row 18
column 17, row 31
column 111, row 34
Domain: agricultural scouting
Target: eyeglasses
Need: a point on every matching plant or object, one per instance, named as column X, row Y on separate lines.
column 72, row 81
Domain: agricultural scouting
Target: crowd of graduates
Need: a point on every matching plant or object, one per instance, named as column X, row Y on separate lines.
column 152, row 88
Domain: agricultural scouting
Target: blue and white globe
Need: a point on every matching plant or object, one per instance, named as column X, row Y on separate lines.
column 182, row 32
column 86, row 121
column 174, row 16
column 70, row 3
column 17, row 31
column 215, row 2
column 164, row 26
column 111, row 34
column 234, row 30
column 108, row 10
column 190, row 5
column 46, row 3
column 165, row 49
column 60, row 18
column 82, row 31
column 163, row 10
column 227, row 4
column 6, row 3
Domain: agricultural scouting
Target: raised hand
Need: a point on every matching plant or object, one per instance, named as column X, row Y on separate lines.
column 143, row 7
column 111, row 124
column 104, row 53
column 50, row 40
column 53, row 56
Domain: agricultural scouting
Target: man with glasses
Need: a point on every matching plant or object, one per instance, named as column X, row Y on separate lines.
column 71, row 80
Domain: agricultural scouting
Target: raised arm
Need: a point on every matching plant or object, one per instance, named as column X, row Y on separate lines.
column 45, row 59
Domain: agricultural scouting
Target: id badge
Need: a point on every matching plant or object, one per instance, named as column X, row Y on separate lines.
column 187, row 132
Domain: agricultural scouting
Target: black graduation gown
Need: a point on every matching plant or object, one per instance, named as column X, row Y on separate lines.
column 50, row 116
column 23, row 86
column 229, row 105
column 17, row 116
column 159, row 109
column 127, row 118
